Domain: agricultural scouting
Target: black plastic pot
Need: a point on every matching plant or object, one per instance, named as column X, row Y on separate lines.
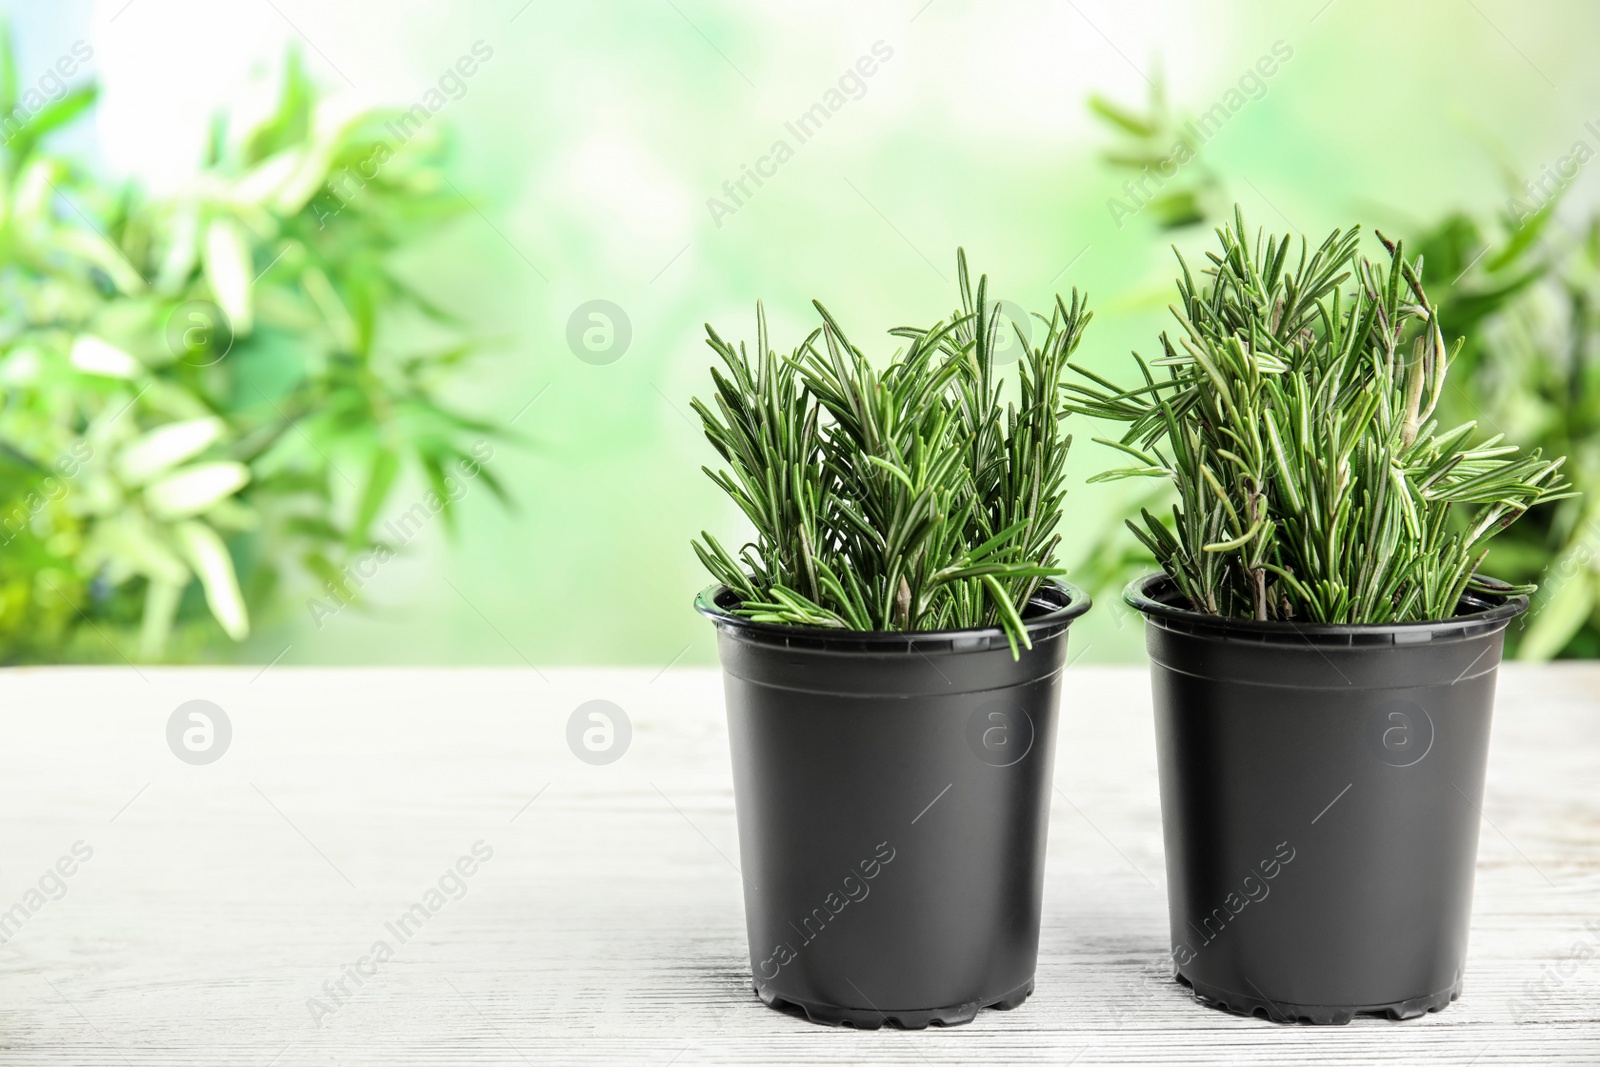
column 1321, row 789
column 893, row 793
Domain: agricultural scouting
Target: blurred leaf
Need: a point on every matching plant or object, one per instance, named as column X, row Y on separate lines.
column 268, row 177
column 8, row 70
column 380, row 479
column 194, row 489
column 211, row 562
column 91, row 355
column 55, row 114
column 1524, row 236
column 160, row 608
column 182, row 248
column 166, row 446
column 227, row 266
column 1561, row 614
column 1177, row 209
column 1121, row 117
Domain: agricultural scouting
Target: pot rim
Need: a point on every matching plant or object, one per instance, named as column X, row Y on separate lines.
column 1067, row 603
column 1488, row 611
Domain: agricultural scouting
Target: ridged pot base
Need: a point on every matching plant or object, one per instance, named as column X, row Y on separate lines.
column 873, row 1019
column 1316, row 1014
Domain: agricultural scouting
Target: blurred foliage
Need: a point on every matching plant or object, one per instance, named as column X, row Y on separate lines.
column 205, row 396
column 1525, row 296
column 1520, row 288
column 1151, row 141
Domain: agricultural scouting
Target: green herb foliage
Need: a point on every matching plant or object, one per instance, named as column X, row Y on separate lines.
column 923, row 496
column 1296, row 421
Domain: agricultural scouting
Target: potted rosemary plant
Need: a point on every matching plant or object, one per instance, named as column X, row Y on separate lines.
column 892, row 641
column 1323, row 647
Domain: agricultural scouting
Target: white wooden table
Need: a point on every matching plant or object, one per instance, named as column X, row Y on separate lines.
column 606, row 927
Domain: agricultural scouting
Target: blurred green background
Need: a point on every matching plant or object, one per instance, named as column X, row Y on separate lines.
column 587, row 149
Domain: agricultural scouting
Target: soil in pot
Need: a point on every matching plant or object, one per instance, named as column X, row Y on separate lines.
column 893, row 794
column 1321, row 790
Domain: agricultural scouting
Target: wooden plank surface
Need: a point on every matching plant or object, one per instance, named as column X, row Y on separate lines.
column 606, row 926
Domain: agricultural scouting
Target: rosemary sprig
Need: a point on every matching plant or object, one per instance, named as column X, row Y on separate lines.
column 1296, row 421
column 908, row 498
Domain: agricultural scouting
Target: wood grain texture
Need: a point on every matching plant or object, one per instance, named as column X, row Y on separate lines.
column 607, row 926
